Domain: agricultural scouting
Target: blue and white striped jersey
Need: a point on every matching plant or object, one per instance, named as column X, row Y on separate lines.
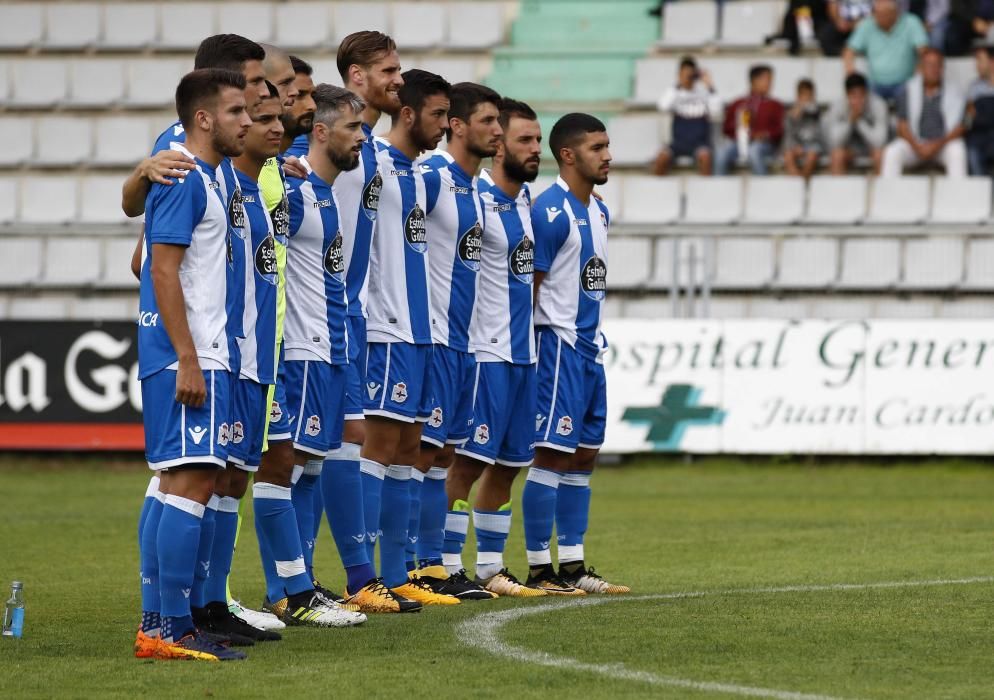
column 571, row 247
column 188, row 213
column 502, row 325
column 455, row 236
column 397, row 305
column 316, row 305
column 258, row 347
column 298, row 148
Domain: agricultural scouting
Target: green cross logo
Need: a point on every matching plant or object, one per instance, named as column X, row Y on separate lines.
column 668, row 421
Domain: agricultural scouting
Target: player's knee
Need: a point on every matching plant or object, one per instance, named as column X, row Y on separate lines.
column 238, row 481
column 354, row 432
column 555, row 460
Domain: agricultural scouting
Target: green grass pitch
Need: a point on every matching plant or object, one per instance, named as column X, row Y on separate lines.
column 68, row 530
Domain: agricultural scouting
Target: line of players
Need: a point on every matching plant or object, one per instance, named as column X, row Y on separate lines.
column 287, row 288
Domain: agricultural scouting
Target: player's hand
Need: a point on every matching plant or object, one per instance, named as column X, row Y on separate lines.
column 166, row 164
column 293, row 168
column 191, row 390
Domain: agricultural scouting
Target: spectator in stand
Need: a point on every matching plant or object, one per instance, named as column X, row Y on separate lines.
column 980, row 115
column 891, row 40
column 969, row 20
column 803, row 143
column 694, row 104
column 753, row 124
column 856, row 126
column 802, row 24
column 843, row 16
column 930, row 123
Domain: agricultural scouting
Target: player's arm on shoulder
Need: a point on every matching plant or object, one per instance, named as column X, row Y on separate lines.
column 293, row 167
column 163, row 167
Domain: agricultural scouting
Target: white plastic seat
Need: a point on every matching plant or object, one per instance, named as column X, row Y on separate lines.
column 48, row 199
column 95, row 82
column 836, row 199
column 541, row 184
column 774, row 200
column 829, row 76
column 899, row 200
column 418, row 25
column 729, row 75
column 773, row 308
column 100, row 200
column 786, row 72
column 689, row 23
column 71, row 261
column 62, row 141
column 184, row 25
column 38, row 83
column 960, row 72
column 71, row 25
column 689, row 258
column 967, row 308
column 933, row 263
column 9, row 199
column 635, row 139
column 749, row 22
column 48, row 307
column 130, row 26
column 249, row 19
column 357, row 16
column 21, row 25
column 152, row 81
column 18, row 144
column 628, row 262
column 905, row 308
column 302, row 25
column 113, row 308
column 475, row 25
column 612, row 194
column 727, row 306
column 121, row 140
column 649, row 200
column 743, row 263
column 5, row 82
column 23, row 256
column 116, row 268
column 713, row 200
column 832, row 308
column 980, row 264
column 961, row 201
column 808, row 263
column 326, row 71
column 870, row 263
column 652, row 77
column 454, row 70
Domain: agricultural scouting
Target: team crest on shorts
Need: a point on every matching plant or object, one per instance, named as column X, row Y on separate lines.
column 275, row 412
column 565, row 426
column 237, row 432
column 482, row 434
column 224, row 435
column 399, row 394
column 436, row 420
column 313, row 426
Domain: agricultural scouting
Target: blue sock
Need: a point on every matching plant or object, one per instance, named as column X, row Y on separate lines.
column 371, row 474
column 178, row 542
column 538, row 506
column 433, row 507
column 153, row 488
column 150, row 565
column 303, row 506
column 414, row 521
column 394, row 516
column 456, row 527
column 283, row 556
column 341, row 488
column 198, row 598
column 225, row 529
column 572, row 515
column 318, row 507
column 492, row 528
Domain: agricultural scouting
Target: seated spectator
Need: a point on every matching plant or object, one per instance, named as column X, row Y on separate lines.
column 891, row 41
column 856, row 126
column 969, row 20
column 980, row 116
column 930, row 123
column 802, row 24
column 753, row 124
column 843, row 16
column 693, row 103
column 803, row 143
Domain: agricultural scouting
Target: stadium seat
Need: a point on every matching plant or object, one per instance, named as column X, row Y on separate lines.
column 4, row 80
column 774, row 200
column 786, row 72
column 612, row 194
column 933, row 263
column 652, row 76
column 773, row 308
column 829, row 77
column 37, row 83
column 100, row 200
column 63, row 140
column 302, row 25
column 834, row 308
column 808, row 263
column 22, row 25
column 356, row 16
column 836, row 199
column 18, row 140
column 130, row 26
column 152, row 81
column 48, row 199
column 966, row 308
column 454, row 70
column 48, row 307
column 122, row 140
column 104, row 308
column 418, row 25
column 870, row 263
column 628, row 262
column 28, row 254
column 71, row 261
column 184, row 25
column 116, row 268
column 95, row 82
column 326, row 71
column 961, row 201
column 960, row 72
column 689, row 24
column 475, row 25
column 612, row 307
column 729, row 75
column 899, row 200
column 649, row 200
column 648, row 307
column 9, row 186
column 749, row 22
column 71, row 25
column 725, row 306
column 905, row 308
column 251, row 19
column 713, row 200
column 980, row 264
column 541, row 184
column 743, row 263
column 635, row 139
column 690, row 259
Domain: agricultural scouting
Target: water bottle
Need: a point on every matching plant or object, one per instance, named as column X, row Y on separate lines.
column 13, row 614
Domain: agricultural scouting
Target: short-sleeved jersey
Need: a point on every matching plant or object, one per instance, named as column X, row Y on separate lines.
column 571, row 248
column 189, row 213
column 300, row 146
column 272, row 185
column 316, row 305
column 258, row 347
column 455, row 236
column 397, row 305
column 502, row 324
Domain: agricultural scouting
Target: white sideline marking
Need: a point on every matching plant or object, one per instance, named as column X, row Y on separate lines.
column 483, row 632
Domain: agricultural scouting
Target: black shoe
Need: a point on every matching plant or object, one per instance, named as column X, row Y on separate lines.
column 226, row 622
column 202, row 621
column 546, row 579
column 460, row 586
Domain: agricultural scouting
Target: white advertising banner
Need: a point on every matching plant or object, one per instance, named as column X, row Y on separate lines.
column 802, row 387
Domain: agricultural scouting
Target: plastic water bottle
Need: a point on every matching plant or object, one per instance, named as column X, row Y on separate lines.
column 13, row 614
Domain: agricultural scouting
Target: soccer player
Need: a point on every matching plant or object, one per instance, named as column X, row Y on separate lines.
column 398, row 353
column 570, row 227
column 455, row 237
column 299, row 119
column 502, row 337
column 185, row 347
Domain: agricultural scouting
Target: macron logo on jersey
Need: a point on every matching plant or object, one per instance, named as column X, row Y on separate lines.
column 552, row 213
column 372, row 388
column 197, row 434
